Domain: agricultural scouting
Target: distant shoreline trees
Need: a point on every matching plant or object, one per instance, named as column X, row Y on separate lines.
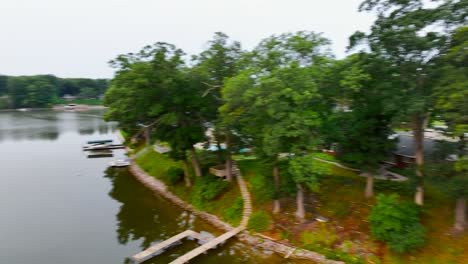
column 43, row 91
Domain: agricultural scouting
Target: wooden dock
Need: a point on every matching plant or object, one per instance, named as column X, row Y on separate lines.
column 207, row 246
column 154, row 250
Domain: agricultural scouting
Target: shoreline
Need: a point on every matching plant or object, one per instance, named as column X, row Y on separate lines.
column 160, row 188
column 56, row 108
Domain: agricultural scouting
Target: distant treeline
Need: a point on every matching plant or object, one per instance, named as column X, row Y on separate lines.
column 42, row 91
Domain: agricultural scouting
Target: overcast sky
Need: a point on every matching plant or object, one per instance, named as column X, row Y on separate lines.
column 77, row 38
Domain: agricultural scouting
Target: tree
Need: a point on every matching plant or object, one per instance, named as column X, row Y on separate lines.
column 305, row 170
column 452, row 104
column 219, row 62
column 410, row 36
column 276, row 99
column 360, row 124
column 3, row 84
column 153, row 87
column 39, row 91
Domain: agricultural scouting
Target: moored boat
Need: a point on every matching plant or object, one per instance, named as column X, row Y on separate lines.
column 119, row 163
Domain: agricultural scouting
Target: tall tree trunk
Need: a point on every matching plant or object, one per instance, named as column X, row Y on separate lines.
column 276, row 179
column 219, row 151
column 196, row 165
column 418, row 134
column 369, row 185
column 228, row 160
column 460, row 214
column 188, row 183
column 300, row 213
column 147, row 136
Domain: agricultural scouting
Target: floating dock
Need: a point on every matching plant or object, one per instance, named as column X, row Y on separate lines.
column 103, row 147
column 102, row 141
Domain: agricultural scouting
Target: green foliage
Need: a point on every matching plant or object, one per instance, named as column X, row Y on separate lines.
column 306, row 170
column 324, row 237
column 42, row 91
column 174, row 175
column 259, row 221
column 208, row 159
column 207, row 188
column 234, row 213
column 397, row 223
column 451, row 92
column 4, row 103
column 402, row 188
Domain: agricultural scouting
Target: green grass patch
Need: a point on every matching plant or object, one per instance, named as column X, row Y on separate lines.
column 260, row 186
column 324, row 156
column 156, row 164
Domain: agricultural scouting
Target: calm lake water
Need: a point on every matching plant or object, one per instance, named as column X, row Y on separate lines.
column 59, row 206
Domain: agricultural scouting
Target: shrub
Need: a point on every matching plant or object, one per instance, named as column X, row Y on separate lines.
column 207, row 188
column 174, row 175
column 259, row 221
column 208, row 159
column 324, row 237
column 403, row 188
column 234, row 213
column 397, row 223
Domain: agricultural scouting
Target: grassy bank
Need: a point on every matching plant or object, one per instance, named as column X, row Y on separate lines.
column 208, row 193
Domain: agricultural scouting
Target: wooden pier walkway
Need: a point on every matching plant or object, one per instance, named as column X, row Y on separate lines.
column 207, row 246
column 154, row 250
column 247, row 210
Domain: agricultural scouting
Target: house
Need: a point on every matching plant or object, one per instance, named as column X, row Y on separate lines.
column 436, row 146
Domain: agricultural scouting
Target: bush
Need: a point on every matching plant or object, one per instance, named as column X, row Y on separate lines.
column 234, row 213
column 323, row 237
column 174, row 175
column 207, row 188
column 403, row 188
column 397, row 223
column 259, row 221
column 208, row 159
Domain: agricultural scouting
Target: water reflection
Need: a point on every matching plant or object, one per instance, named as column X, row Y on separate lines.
column 49, row 125
column 150, row 219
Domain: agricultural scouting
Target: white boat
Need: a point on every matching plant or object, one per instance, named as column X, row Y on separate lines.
column 119, row 163
column 102, row 146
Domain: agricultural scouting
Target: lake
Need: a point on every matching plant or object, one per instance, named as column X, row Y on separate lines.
column 57, row 205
